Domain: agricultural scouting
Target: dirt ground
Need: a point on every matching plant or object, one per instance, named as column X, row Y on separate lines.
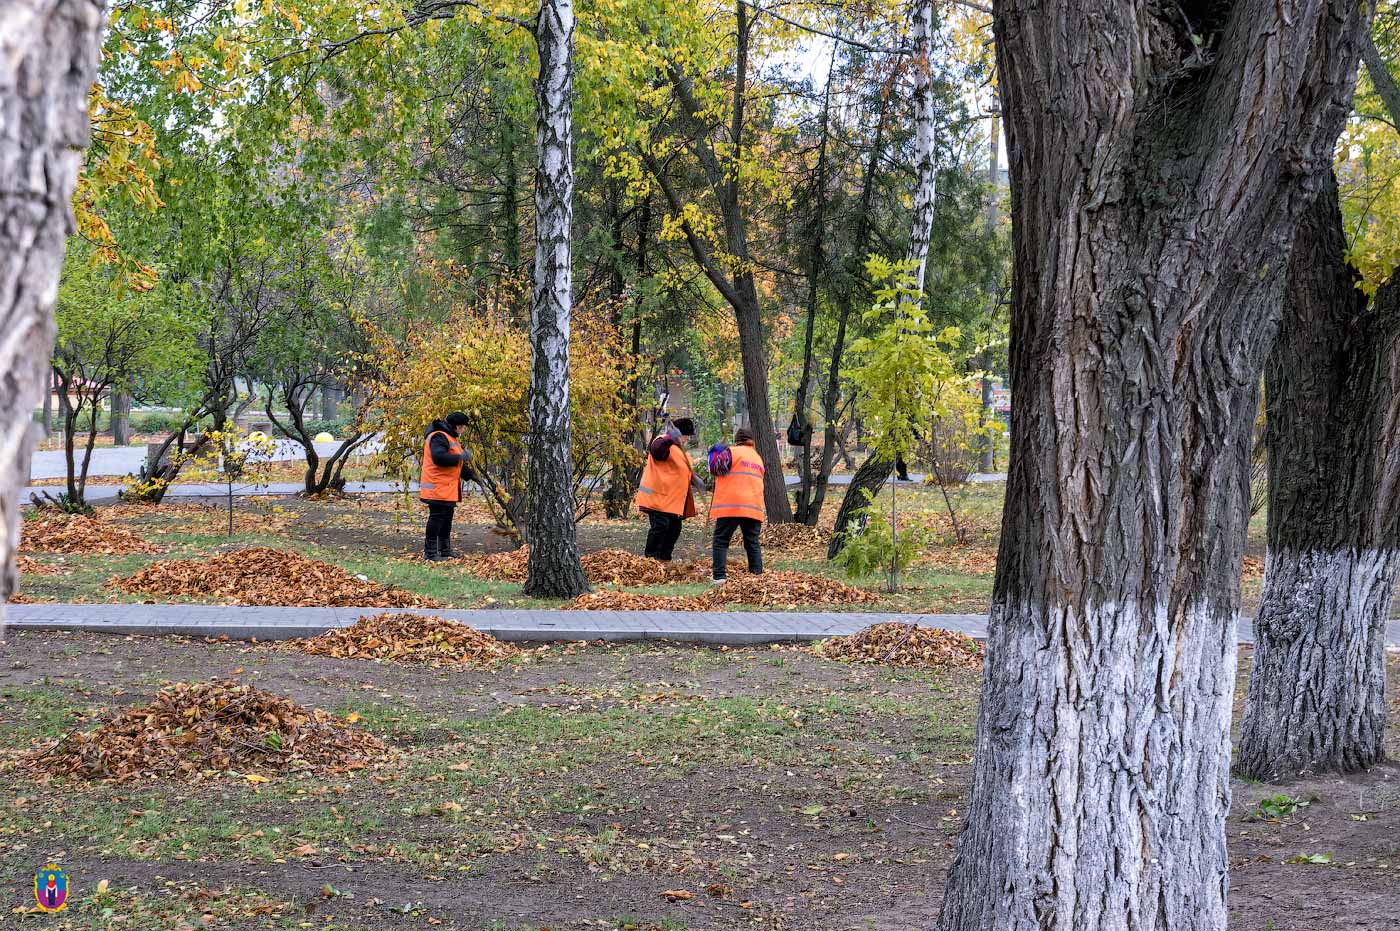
column 627, row 787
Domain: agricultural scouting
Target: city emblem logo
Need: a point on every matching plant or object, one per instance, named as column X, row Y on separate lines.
column 51, row 889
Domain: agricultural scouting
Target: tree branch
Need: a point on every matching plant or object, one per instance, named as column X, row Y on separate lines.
column 817, row 31
column 1381, row 78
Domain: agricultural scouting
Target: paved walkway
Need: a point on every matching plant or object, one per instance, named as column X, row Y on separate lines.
column 119, row 461
column 240, row 623
column 733, row 627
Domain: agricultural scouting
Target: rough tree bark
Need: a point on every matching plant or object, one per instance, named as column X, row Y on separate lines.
column 1156, row 186
column 121, row 418
column 48, row 56
column 1316, row 699
column 554, row 568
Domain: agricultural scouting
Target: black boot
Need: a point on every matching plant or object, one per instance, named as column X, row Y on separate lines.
column 445, row 548
column 430, row 550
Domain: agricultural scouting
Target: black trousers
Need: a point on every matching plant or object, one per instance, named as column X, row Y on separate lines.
column 439, row 531
column 724, row 532
column 665, row 530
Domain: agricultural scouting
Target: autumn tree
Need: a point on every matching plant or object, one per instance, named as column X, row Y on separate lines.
column 1155, row 196
column 1316, row 697
column 48, row 54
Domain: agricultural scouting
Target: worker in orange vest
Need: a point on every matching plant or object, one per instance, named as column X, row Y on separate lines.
column 667, row 491
column 737, row 504
column 440, row 483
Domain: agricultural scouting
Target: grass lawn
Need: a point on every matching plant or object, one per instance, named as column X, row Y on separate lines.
column 573, row 790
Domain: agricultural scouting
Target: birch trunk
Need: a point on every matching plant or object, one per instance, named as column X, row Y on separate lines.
column 1316, row 699
column 554, row 568
column 48, row 56
column 1155, row 192
column 925, row 122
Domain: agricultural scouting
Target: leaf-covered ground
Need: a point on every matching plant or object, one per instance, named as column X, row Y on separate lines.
column 585, row 788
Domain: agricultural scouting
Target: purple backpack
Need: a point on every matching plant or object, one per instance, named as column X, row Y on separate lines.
column 720, row 459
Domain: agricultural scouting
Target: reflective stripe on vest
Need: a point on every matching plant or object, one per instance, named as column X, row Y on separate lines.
column 440, row 483
column 739, row 492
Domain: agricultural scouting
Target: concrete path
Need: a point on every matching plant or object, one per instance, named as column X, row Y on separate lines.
column 239, row 623
column 733, row 627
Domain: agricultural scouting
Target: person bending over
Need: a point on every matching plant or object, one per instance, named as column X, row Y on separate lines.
column 738, row 505
column 667, row 491
column 440, row 484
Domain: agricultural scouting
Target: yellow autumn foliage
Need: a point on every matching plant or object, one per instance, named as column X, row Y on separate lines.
column 477, row 360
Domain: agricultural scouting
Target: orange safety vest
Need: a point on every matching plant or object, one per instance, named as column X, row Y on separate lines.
column 666, row 487
column 739, row 493
column 440, row 483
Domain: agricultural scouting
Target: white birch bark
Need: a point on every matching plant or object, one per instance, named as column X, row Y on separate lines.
column 925, row 148
column 554, row 566
column 48, row 56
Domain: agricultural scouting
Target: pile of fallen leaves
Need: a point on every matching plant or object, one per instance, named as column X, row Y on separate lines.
column 616, row 567
column 611, row 600
column 619, row 567
column 969, row 559
column 795, row 538
column 511, row 566
column 409, row 638
column 770, row 590
column 28, row 565
column 785, row 589
column 909, row 645
column 196, row 729
column 262, row 576
column 57, row 532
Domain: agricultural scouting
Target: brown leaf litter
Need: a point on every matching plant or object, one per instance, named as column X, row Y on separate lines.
column 616, row 567
column 907, row 645
column 409, row 638
column 795, row 538
column 193, row 730
column 77, row 533
column 785, row 589
column 262, row 576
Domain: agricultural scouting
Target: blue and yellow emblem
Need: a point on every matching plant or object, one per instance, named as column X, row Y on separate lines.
column 51, row 889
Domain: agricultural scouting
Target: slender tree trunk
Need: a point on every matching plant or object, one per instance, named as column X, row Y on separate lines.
column 510, row 201
column 831, row 401
column 121, row 418
column 554, row 569
column 816, row 266
column 48, row 56
column 872, row 474
column 986, row 414
column 48, row 403
column 1155, row 197
column 330, row 402
column 1316, row 699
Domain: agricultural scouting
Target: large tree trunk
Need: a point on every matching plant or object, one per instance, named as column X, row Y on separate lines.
column 554, row 570
column 121, row 418
column 1155, row 192
column 1316, row 699
column 873, row 473
column 48, row 56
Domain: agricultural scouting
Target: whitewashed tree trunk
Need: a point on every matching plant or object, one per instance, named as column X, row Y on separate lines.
column 1316, row 698
column 1155, row 192
column 48, row 56
column 554, row 566
column 925, row 148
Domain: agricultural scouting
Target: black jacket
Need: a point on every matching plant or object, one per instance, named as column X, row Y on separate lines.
column 441, row 452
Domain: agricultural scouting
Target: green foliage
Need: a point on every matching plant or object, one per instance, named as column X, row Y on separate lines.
column 870, row 547
column 1278, row 807
column 906, row 376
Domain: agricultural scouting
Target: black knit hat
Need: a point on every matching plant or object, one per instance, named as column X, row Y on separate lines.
column 685, row 425
column 457, row 419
